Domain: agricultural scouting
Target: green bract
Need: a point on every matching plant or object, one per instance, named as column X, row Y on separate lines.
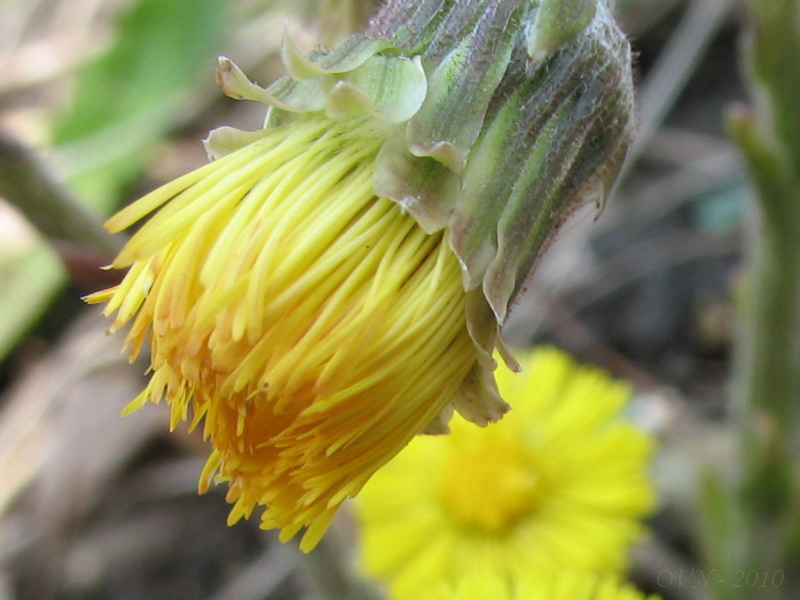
column 500, row 118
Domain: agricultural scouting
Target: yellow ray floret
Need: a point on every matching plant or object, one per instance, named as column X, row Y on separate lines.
column 560, row 483
column 534, row 585
column 312, row 327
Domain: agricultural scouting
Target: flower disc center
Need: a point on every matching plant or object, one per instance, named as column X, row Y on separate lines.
column 490, row 486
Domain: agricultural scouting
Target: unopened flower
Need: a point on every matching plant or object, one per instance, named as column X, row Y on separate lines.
column 295, row 313
column 534, row 585
column 333, row 284
column 560, row 483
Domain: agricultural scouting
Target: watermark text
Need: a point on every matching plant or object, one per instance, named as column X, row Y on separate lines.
column 740, row 578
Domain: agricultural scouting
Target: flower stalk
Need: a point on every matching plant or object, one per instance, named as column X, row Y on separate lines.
column 762, row 532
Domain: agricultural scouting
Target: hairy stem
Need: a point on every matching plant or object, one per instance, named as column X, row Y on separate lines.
column 762, row 533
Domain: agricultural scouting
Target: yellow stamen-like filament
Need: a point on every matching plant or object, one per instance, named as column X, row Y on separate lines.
column 311, row 326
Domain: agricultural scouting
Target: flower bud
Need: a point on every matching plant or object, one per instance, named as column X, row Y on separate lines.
column 528, row 116
column 332, row 284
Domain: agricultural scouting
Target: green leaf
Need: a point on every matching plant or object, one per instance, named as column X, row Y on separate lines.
column 130, row 96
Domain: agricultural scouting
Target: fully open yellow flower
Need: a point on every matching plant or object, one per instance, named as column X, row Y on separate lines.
column 312, row 327
column 559, row 483
column 535, row 585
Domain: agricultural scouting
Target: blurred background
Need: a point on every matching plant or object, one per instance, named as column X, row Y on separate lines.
column 112, row 98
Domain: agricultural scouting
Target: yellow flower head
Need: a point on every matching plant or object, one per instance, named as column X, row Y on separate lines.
column 560, row 482
column 296, row 314
column 334, row 283
column 534, row 585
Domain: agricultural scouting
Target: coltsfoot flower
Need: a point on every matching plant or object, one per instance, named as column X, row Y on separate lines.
column 560, row 483
column 535, row 585
column 296, row 314
column 334, row 283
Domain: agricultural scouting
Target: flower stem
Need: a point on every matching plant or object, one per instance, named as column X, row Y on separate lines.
column 768, row 373
column 762, row 533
